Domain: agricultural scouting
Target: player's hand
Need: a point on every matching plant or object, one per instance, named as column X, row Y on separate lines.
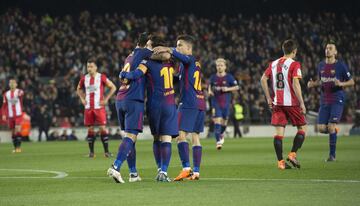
column 211, row 93
column 224, row 89
column 3, row 117
column 160, row 49
column 338, row 83
column 311, row 83
column 83, row 101
column 122, row 75
column 303, row 109
column 217, row 89
column 104, row 102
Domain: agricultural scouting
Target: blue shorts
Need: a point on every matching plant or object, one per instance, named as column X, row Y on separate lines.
column 191, row 120
column 330, row 113
column 220, row 112
column 163, row 120
column 130, row 115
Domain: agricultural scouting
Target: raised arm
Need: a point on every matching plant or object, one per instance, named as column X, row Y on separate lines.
column 185, row 59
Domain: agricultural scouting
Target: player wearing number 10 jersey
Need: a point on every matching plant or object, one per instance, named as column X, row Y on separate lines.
column 192, row 105
column 160, row 105
column 287, row 102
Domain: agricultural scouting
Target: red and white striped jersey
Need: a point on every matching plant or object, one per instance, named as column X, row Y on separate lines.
column 94, row 89
column 12, row 103
column 281, row 72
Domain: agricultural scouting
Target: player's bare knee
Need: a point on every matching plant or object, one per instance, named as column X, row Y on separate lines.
column 302, row 128
column 131, row 136
column 165, row 138
column 322, row 128
column 331, row 128
column 195, row 139
column 90, row 129
column 181, row 137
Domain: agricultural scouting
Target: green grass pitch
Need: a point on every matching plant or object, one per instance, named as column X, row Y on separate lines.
column 243, row 173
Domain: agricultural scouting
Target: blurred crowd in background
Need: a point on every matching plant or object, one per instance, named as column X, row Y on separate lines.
column 47, row 54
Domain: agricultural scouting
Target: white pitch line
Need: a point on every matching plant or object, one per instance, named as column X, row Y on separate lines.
column 58, row 174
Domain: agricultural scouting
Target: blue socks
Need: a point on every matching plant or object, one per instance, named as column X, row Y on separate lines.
column 197, row 153
column 125, row 147
column 183, row 148
column 332, row 144
column 165, row 155
column 157, row 152
column 131, row 160
column 217, row 131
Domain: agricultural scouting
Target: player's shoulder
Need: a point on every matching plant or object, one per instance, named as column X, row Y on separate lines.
column 229, row 75
column 321, row 64
column 341, row 63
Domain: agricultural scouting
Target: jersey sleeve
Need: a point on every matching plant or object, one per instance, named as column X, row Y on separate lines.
column 345, row 72
column 104, row 79
column 232, row 81
column 296, row 70
column 82, row 82
column 185, row 59
column 21, row 93
column 143, row 66
column 268, row 71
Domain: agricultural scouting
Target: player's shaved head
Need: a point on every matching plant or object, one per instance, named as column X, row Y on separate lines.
column 289, row 46
column 142, row 39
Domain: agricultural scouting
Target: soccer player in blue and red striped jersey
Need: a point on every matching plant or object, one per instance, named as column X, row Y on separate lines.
column 334, row 76
column 160, row 105
column 222, row 85
column 192, row 105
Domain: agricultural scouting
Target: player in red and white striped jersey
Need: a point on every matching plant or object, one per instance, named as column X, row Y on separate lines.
column 12, row 106
column 287, row 102
column 94, row 83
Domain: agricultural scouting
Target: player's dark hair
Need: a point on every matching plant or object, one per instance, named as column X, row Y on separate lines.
column 331, row 41
column 91, row 60
column 157, row 41
column 289, row 46
column 142, row 39
column 187, row 38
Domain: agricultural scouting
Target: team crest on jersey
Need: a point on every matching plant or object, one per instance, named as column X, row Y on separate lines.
column 14, row 100
column 91, row 88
